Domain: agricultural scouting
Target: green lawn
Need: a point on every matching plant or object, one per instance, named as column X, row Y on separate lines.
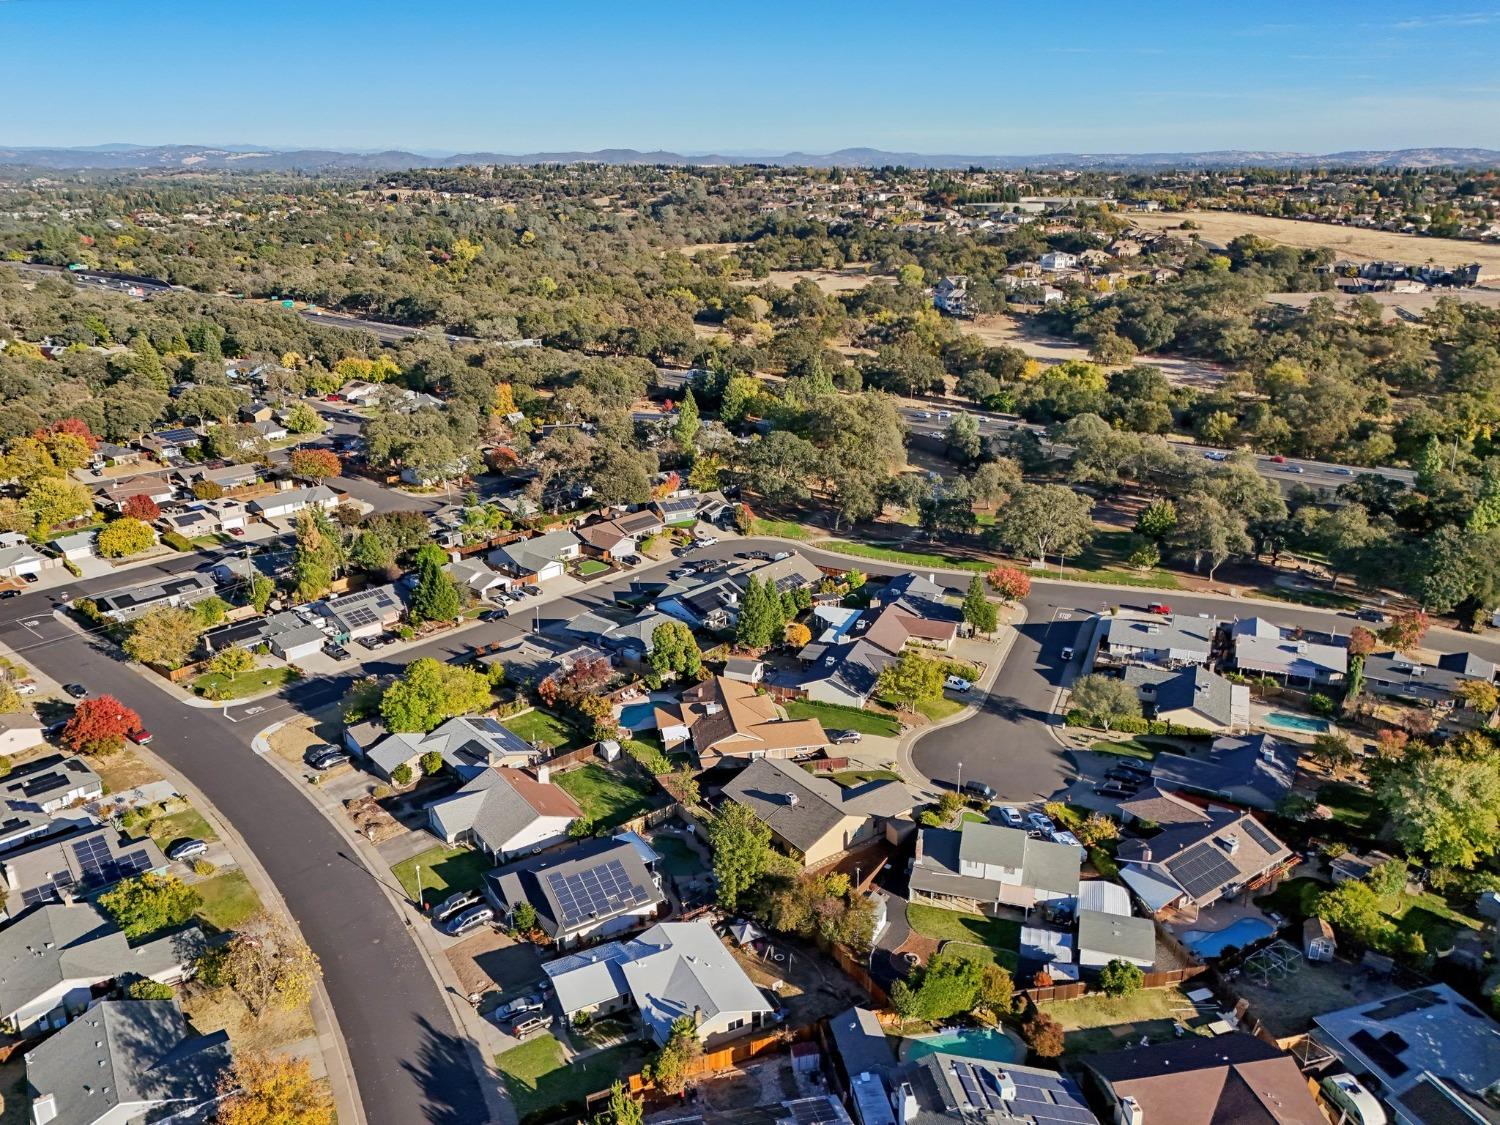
column 1097, row 1022
column 1323, row 599
column 213, row 685
column 608, row 798
column 781, row 529
column 538, row 1078
column 228, row 899
column 834, row 717
column 1425, row 913
column 1129, row 748
column 936, row 710
column 851, row 778
column 546, row 728
column 1293, row 899
column 444, row 870
column 676, row 857
column 180, row 825
column 590, row 567
column 998, row 935
column 1353, row 806
column 908, row 558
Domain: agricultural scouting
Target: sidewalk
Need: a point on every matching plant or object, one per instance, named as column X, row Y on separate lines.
column 482, row 1038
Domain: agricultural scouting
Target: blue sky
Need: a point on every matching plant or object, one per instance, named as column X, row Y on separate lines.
column 957, row 77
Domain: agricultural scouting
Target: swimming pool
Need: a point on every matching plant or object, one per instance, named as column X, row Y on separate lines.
column 637, row 715
column 970, row 1043
column 1211, row 943
column 1296, row 722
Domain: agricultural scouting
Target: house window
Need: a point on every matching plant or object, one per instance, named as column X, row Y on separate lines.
column 735, row 1025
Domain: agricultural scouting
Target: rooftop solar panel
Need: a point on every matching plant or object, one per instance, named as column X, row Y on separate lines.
column 1264, row 839
column 594, row 892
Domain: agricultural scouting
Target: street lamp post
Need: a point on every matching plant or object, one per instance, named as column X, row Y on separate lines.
column 960, row 777
column 419, row 886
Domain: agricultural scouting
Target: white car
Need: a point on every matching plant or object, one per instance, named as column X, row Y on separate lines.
column 945, row 414
column 956, row 683
column 924, row 414
column 1072, row 840
column 707, row 540
column 1011, row 817
column 26, row 689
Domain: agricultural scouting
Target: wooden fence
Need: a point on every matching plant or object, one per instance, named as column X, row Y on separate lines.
column 1072, row 990
column 742, row 1050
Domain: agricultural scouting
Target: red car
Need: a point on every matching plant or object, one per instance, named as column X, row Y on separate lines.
column 1278, row 459
column 237, row 531
column 140, row 737
column 1159, row 607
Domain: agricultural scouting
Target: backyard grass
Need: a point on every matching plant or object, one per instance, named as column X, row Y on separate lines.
column 999, row 936
column 1352, row 806
column 1294, row 899
column 1427, row 914
column 781, row 529
column 851, row 778
column 608, row 798
column 215, row 685
column 834, row 717
column 1097, row 1022
column 677, row 858
column 444, row 870
column 907, row 558
column 538, row 1078
column 590, row 567
column 180, row 825
column 545, row 728
column 228, row 899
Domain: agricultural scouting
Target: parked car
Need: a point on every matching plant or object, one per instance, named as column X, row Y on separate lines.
column 28, row 578
column 1114, row 789
column 459, row 900
column 471, row 919
column 1159, row 607
column 630, row 560
column 1067, row 652
column 140, row 736
column 187, row 849
column 237, row 532
column 10, row 593
column 978, row 789
column 1011, row 817
column 1126, row 771
column 1070, row 839
column 530, row 1025
column 956, row 683
column 757, row 555
column 1372, row 615
column 708, row 541
column 77, row 691
column 779, row 555
column 27, row 688
column 336, row 651
column 324, row 757
column 517, row 1008
column 1042, row 823
column 844, row 737
column 494, row 614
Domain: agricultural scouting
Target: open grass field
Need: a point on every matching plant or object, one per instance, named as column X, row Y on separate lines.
column 608, row 798
column 1350, row 242
column 1005, row 330
column 537, row 1077
column 444, row 870
column 999, row 936
column 545, row 728
column 834, row 717
column 783, row 529
column 1100, row 1023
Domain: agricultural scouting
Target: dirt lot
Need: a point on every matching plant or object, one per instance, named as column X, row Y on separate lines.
column 1349, row 242
column 123, row 771
column 1287, row 1007
column 1395, row 304
column 813, row 987
column 290, row 741
column 999, row 329
column 846, row 280
column 490, row 962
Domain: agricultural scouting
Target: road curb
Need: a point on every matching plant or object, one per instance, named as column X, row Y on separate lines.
column 336, row 1060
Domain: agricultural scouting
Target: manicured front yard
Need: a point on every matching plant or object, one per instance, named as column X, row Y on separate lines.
column 608, row 798
column 181, row 825
column 228, row 899
column 545, row 728
column 1097, row 1022
column 213, row 685
column 444, row 870
column 537, row 1077
column 1127, row 748
column 590, row 567
column 834, row 717
column 1000, row 936
column 943, row 707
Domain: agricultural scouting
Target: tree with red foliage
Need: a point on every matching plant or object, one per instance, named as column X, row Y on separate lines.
column 1406, row 630
column 1010, row 583
column 142, row 508
column 315, row 464
column 1361, row 641
column 99, row 726
column 1043, row 1034
column 75, row 426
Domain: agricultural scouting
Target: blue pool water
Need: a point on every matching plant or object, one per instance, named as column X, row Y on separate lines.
column 972, row 1043
column 636, row 715
column 1296, row 722
column 1211, row 943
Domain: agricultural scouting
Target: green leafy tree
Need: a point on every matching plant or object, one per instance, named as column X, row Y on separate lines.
column 150, row 903
column 1105, row 699
column 1043, row 520
column 232, row 661
column 435, row 597
column 260, row 591
column 318, row 555
column 144, row 988
column 909, row 680
column 303, row 419
column 1445, row 807
column 672, row 1067
column 432, row 763
column 685, row 430
column 431, row 692
column 402, row 775
column 978, row 610
column 624, row 1109
column 674, row 650
column 1157, row 520
column 125, row 536
column 950, row 984
column 1120, row 978
column 166, row 636
column 741, row 844
column 523, row 918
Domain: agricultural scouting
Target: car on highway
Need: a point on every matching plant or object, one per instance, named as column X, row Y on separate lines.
column 1041, row 822
column 1160, row 607
column 1342, row 471
column 324, row 756
column 77, row 691
column 140, row 736
column 924, row 414
column 459, row 900
column 978, row 789
column 1011, row 817
column 945, row 414
column 467, row 920
column 1278, row 459
column 187, row 849
column 956, row 683
column 1216, row 455
column 1293, row 469
column 844, row 737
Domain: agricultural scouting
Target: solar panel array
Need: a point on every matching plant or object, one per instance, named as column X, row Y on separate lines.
column 1044, row 1098
column 1267, row 842
column 1202, row 868
column 99, row 865
column 359, row 615
column 1382, row 1051
column 594, row 892
column 47, row 892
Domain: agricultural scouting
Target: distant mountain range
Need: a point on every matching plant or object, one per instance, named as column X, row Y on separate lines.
column 252, row 159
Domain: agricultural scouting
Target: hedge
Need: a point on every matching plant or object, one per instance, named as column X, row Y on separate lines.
column 1132, row 724
column 177, row 541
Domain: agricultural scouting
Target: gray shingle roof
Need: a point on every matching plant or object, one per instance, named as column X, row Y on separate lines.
column 1115, row 935
column 1258, row 767
column 800, row 808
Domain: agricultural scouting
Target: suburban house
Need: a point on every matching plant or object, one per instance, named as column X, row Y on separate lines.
column 951, row 295
column 638, row 525
column 531, row 658
column 672, row 970
column 1401, row 678
column 744, row 670
column 1058, row 261
column 287, row 502
column 982, row 866
column 469, row 744
column 1255, row 770
column 1158, row 638
column 476, row 576
column 365, row 613
column 711, row 604
column 677, row 509
column 813, row 819
column 1108, row 931
column 591, row 890
column 844, row 674
column 19, row 732
column 21, row 561
column 1223, row 1078
column 53, row 957
column 895, row 628
column 226, row 476
column 943, row 1088
column 77, row 547
column 1263, row 647
column 505, row 811
column 85, row 862
column 1203, row 856
column 357, row 392
column 722, row 717
column 181, row 590
column 269, row 430
column 167, row 445
column 538, row 559
column 607, row 540
column 109, row 454
column 1190, row 697
column 288, row 635
column 1434, row 1056
column 127, row 1061
column 34, row 794
column 203, row 519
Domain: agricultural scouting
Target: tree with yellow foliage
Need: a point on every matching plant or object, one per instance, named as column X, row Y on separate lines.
column 261, row 1090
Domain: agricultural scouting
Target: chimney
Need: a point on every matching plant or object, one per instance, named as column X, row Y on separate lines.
column 1130, row 1112
column 43, row 1109
column 544, row 775
column 1231, row 843
column 1007, row 1085
column 791, row 799
column 905, row 1104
